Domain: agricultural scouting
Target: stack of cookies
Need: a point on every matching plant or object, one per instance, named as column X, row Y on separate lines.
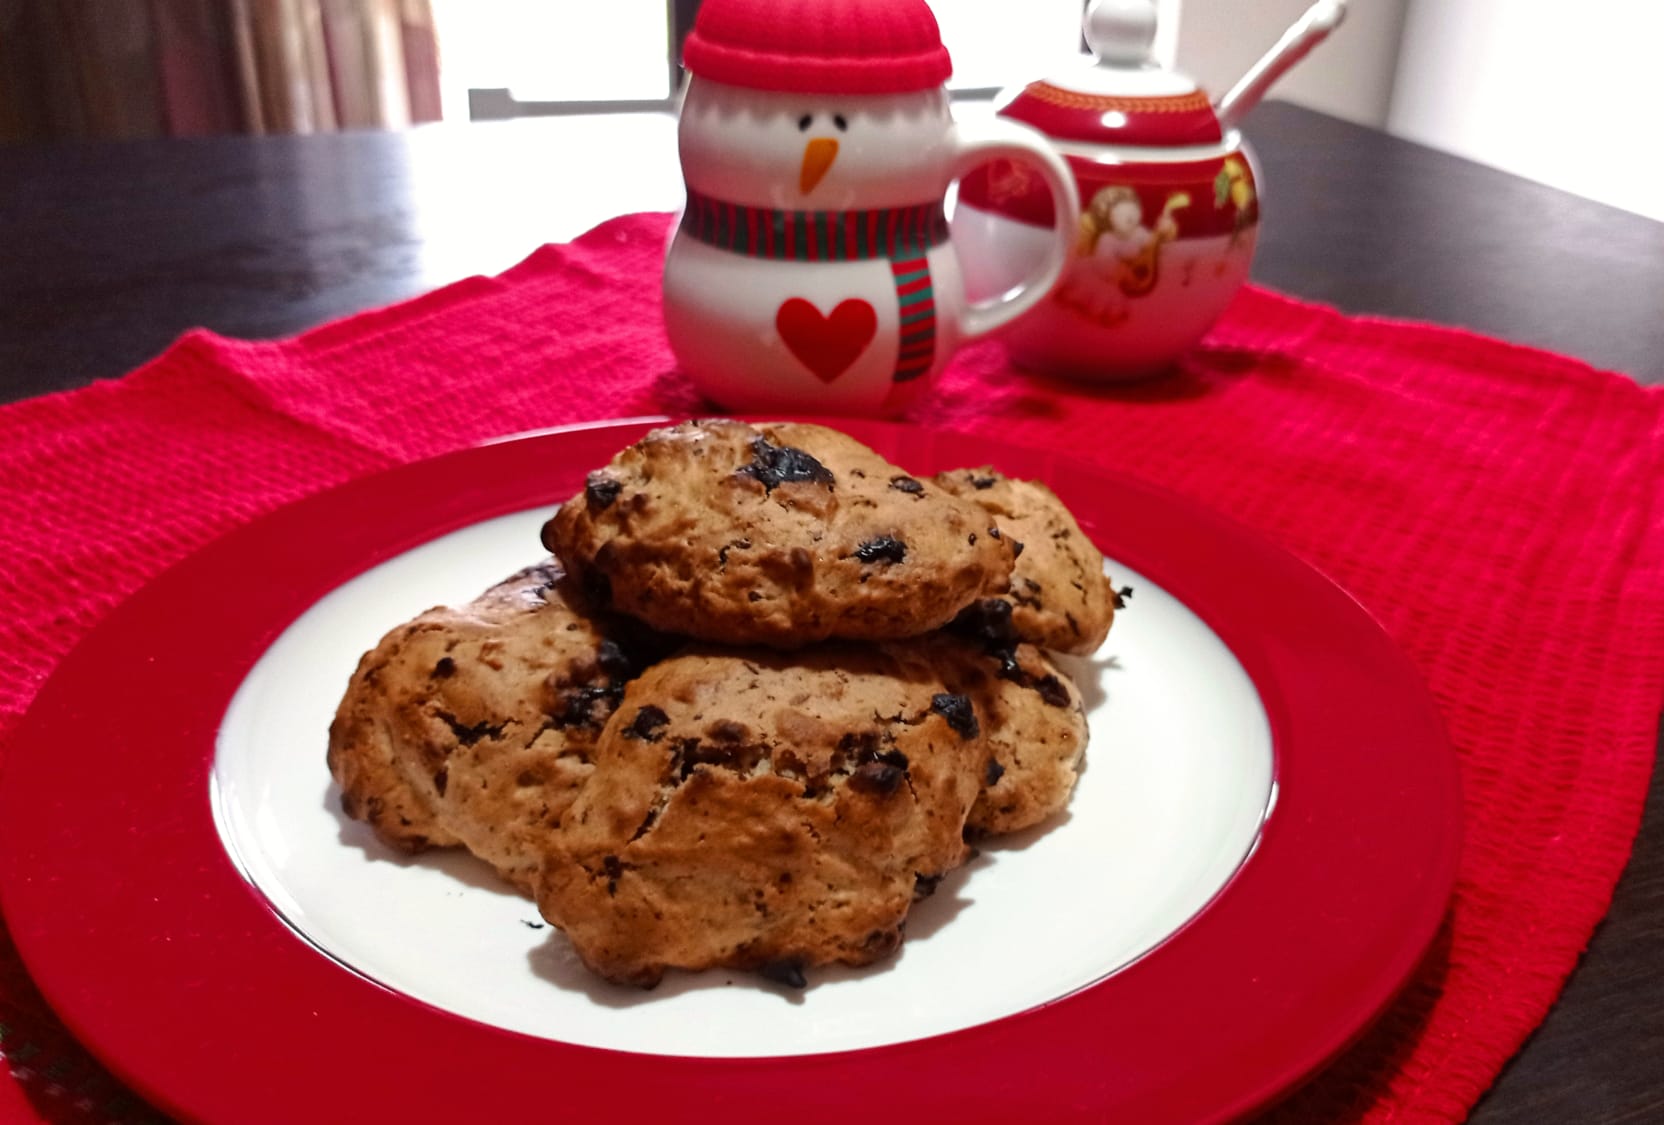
column 753, row 708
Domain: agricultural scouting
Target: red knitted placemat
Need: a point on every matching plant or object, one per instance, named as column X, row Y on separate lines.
column 1496, row 508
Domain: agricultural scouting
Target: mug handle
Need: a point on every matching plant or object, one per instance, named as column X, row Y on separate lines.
column 980, row 142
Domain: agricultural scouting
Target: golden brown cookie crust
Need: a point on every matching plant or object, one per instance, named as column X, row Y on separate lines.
column 1060, row 597
column 782, row 535
column 1036, row 735
column 475, row 725
column 755, row 811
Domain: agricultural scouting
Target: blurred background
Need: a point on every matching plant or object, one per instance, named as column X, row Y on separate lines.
column 1558, row 93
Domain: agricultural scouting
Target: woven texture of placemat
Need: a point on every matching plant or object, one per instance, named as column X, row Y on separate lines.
column 1496, row 509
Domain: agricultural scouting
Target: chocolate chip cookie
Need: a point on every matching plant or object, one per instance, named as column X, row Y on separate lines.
column 476, row 726
column 755, row 810
column 781, row 535
column 1060, row 597
column 1035, row 731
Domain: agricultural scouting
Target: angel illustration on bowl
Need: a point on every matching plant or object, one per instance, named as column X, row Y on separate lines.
column 1120, row 256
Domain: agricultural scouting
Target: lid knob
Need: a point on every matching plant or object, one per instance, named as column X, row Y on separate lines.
column 1121, row 32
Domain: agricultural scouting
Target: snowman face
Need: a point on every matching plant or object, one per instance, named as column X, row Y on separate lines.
column 815, row 152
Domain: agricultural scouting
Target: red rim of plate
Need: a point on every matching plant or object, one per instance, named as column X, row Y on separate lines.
column 176, row 972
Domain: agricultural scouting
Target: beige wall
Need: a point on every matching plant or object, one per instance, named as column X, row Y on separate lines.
column 1567, row 95
column 1350, row 75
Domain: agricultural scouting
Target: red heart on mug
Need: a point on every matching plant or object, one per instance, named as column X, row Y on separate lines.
column 826, row 345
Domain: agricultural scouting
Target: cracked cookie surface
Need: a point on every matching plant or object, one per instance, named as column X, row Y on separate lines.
column 1035, row 731
column 1059, row 597
column 782, row 534
column 476, row 725
column 760, row 811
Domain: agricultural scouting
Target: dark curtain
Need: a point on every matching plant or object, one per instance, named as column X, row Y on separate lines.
column 142, row 68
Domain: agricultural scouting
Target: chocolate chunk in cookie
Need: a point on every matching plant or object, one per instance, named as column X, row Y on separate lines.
column 773, row 465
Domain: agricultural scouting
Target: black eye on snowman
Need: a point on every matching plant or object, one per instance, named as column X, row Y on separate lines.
column 838, row 120
column 804, row 122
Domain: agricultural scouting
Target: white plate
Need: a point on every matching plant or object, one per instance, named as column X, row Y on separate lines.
column 1179, row 780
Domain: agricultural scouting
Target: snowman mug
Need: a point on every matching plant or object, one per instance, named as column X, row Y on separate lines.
column 813, row 268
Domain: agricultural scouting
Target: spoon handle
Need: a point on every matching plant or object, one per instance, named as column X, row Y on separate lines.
column 1307, row 32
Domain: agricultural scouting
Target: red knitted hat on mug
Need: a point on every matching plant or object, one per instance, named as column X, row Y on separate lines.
column 818, row 46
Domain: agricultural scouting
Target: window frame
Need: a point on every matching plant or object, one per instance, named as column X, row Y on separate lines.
column 500, row 104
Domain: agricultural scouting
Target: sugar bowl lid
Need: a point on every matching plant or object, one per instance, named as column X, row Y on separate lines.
column 1124, row 97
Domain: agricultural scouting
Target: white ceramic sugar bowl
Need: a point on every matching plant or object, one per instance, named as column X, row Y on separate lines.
column 1170, row 201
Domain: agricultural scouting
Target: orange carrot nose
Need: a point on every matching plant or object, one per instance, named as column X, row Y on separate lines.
column 818, row 156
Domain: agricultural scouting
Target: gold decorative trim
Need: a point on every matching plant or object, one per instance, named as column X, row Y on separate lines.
column 1105, row 103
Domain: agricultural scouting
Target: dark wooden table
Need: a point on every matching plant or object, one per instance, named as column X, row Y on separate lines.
column 107, row 252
